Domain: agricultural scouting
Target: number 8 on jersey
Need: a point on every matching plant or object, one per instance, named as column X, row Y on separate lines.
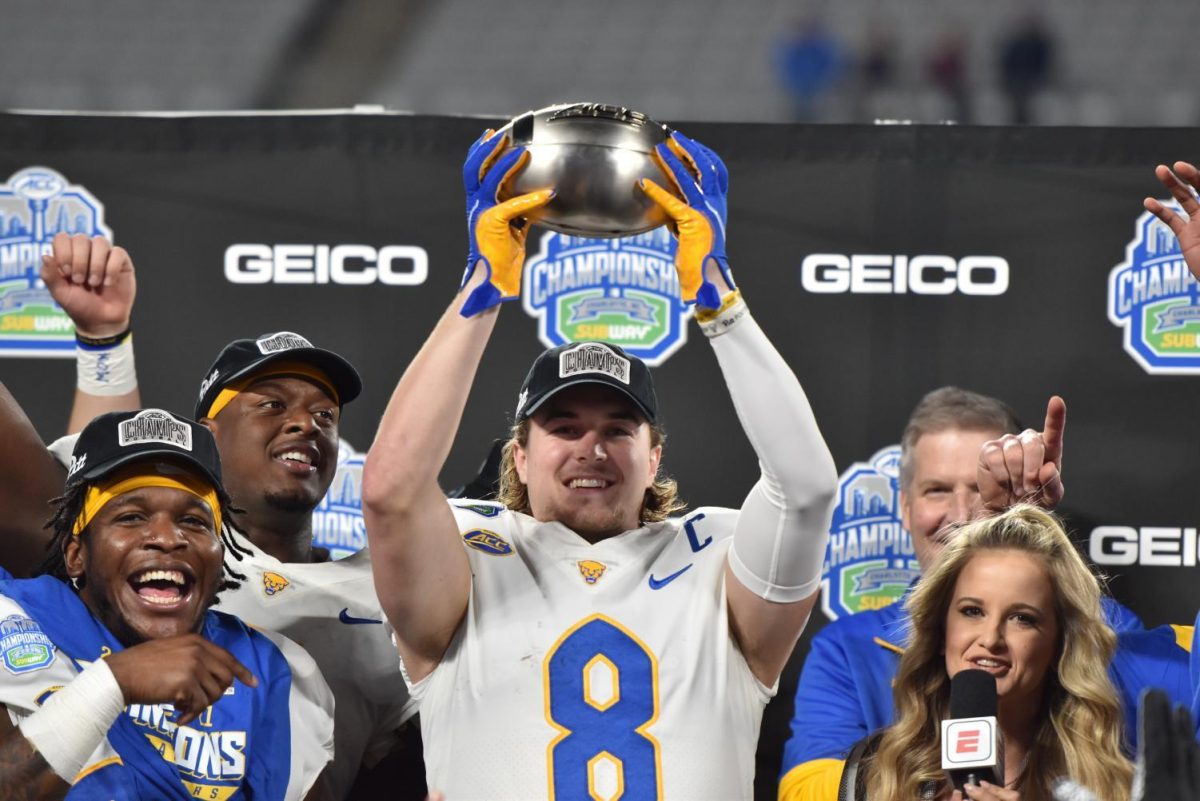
column 601, row 685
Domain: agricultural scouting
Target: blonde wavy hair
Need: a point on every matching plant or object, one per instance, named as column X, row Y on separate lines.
column 661, row 501
column 1080, row 733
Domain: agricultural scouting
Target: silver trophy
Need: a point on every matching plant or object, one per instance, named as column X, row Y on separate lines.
column 593, row 155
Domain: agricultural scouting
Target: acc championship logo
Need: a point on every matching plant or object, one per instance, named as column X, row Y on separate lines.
column 1153, row 297
column 623, row 291
column 23, row 645
column 870, row 560
column 35, row 204
column 338, row 518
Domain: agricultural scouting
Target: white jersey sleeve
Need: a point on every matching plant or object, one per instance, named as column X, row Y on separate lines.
column 311, row 715
column 31, row 670
column 779, row 544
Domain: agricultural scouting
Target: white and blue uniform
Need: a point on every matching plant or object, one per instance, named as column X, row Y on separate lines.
column 266, row 742
column 610, row 670
column 331, row 610
column 583, row 668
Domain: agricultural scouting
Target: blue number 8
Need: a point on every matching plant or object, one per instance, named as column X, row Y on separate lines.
column 597, row 726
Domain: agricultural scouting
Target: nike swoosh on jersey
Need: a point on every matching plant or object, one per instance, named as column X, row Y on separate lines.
column 346, row 617
column 658, row 584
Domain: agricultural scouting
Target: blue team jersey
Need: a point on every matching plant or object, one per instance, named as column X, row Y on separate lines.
column 240, row 747
column 845, row 689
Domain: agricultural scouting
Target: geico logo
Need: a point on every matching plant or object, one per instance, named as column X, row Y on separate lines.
column 1153, row 546
column 833, row 273
column 396, row 265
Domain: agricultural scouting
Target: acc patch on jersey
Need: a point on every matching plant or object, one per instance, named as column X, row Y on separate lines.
column 1154, row 298
column 274, row 583
column 24, row 647
column 623, row 291
column 870, row 560
column 590, row 570
column 488, row 542
column 35, row 204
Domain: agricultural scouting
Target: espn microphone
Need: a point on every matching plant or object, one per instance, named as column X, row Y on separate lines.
column 972, row 749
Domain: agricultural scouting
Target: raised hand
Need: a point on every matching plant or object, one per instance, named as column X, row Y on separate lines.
column 1168, row 758
column 700, row 222
column 93, row 281
column 1025, row 467
column 188, row 672
column 497, row 230
column 1182, row 180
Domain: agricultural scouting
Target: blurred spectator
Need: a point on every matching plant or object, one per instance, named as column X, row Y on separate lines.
column 1026, row 64
column 809, row 62
column 946, row 69
column 878, row 64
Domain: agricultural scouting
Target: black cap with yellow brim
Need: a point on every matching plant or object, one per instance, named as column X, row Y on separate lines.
column 244, row 358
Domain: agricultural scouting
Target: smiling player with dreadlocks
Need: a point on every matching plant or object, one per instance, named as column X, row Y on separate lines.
column 122, row 683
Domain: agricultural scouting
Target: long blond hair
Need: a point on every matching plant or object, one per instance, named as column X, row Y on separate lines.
column 661, row 500
column 1080, row 731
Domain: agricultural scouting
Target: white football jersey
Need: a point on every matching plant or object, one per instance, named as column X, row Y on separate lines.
column 592, row 671
column 330, row 609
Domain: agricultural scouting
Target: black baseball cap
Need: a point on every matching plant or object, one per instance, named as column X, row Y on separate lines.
column 587, row 363
column 116, row 439
column 245, row 357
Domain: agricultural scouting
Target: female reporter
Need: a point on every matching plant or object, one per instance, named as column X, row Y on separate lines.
column 1010, row 596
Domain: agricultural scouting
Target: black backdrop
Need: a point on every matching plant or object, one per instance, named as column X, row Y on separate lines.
column 1058, row 205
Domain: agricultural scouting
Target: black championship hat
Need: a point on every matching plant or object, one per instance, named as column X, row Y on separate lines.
column 587, row 363
column 243, row 358
column 115, row 439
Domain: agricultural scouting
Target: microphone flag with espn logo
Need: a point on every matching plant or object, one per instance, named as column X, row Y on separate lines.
column 972, row 749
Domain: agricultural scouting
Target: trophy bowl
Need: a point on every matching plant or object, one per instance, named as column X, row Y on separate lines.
column 593, row 155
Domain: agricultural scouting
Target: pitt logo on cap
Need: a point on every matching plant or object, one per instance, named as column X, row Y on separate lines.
column 274, row 583
column 154, row 425
column 593, row 357
column 284, row 340
column 207, row 383
column 591, row 571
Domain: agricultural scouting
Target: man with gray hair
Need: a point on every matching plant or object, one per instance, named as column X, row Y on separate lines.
column 961, row 457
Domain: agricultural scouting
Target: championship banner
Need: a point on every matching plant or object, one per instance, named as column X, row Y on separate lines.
column 883, row 262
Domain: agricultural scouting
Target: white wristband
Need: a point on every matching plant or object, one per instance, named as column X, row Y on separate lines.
column 72, row 724
column 714, row 322
column 106, row 371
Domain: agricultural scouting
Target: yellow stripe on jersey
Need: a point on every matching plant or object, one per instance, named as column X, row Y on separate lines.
column 815, row 780
column 90, row 769
column 1183, row 636
column 888, row 645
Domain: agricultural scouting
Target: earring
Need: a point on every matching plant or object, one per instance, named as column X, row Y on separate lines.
column 75, row 583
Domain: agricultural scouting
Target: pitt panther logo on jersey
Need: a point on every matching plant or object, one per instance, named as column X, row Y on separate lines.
column 1155, row 300
column 591, row 571
column 273, row 583
column 870, row 560
column 35, row 204
column 623, row 291
column 488, row 542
